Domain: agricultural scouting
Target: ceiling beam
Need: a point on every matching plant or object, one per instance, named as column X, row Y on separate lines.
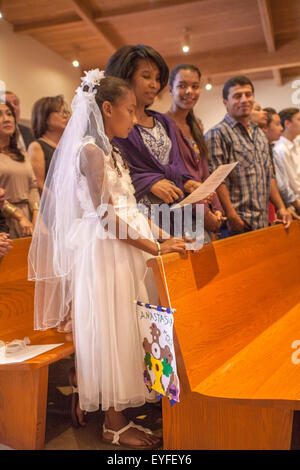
column 266, row 21
column 112, row 15
column 54, row 23
column 126, row 12
column 86, row 15
column 242, row 60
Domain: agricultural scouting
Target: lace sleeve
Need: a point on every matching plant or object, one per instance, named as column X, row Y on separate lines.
column 92, row 167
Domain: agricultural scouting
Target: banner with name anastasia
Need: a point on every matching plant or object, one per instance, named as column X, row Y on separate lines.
column 156, row 332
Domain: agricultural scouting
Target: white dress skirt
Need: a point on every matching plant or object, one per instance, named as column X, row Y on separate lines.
column 109, row 275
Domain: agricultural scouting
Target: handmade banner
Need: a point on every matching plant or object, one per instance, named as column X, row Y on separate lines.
column 156, row 330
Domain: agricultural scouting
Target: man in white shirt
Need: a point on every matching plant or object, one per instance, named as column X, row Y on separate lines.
column 286, row 150
column 273, row 131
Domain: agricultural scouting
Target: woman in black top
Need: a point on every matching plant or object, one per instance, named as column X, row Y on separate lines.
column 49, row 119
column 5, row 243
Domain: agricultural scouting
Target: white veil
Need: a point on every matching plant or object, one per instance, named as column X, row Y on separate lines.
column 51, row 257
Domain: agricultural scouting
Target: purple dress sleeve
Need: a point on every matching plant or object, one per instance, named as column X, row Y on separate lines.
column 145, row 169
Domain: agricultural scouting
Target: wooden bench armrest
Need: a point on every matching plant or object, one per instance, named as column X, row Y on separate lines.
column 263, row 371
column 43, row 337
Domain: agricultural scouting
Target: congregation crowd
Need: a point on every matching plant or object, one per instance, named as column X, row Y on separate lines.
column 73, row 162
column 168, row 154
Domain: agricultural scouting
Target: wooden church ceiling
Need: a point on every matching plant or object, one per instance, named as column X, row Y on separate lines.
column 260, row 38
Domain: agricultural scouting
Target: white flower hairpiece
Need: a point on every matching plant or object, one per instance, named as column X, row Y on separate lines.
column 92, row 77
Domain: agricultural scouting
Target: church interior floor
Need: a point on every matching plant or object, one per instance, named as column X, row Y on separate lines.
column 61, row 435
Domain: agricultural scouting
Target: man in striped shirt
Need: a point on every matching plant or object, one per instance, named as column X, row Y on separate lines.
column 246, row 191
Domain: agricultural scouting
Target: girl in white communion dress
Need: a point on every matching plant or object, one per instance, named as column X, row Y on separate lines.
column 75, row 263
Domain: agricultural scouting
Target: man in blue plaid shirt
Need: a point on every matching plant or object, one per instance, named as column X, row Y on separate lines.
column 246, row 191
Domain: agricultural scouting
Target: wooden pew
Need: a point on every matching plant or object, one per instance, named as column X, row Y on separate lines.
column 23, row 386
column 238, row 314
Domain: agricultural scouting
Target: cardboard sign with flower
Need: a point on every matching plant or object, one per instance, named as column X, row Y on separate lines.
column 156, row 331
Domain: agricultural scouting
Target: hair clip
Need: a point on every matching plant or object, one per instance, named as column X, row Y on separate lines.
column 92, row 78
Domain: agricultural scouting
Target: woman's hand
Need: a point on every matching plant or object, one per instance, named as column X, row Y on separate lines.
column 236, row 224
column 293, row 214
column 212, row 222
column 34, row 217
column 221, row 218
column 5, row 244
column 26, row 226
column 2, row 197
column 166, row 190
column 192, row 185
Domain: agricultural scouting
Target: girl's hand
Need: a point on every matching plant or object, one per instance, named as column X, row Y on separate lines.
column 173, row 245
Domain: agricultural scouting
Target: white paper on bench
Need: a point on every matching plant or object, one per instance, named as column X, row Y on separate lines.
column 208, row 186
column 25, row 354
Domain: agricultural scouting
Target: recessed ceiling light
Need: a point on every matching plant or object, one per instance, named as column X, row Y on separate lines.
column 208, row 85
column 185, row 45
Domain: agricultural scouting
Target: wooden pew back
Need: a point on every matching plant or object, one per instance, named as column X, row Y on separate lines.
column 17, row 309
column 16, row 293
column 229, row 293
column 24, row 385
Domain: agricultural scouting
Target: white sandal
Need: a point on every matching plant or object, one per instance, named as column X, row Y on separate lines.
column 131, row 424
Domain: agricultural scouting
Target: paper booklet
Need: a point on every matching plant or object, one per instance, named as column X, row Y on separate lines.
column 208, row 186
column 26, row 353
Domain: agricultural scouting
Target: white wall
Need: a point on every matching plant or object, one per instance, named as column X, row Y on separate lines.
column 32, row 71
column 210, row 106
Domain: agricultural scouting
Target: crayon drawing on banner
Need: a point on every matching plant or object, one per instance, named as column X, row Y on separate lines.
column 156, row 332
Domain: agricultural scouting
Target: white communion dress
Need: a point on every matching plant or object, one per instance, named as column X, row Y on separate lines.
column 108, row 276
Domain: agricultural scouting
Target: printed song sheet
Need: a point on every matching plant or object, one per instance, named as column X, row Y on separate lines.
column 208, row 186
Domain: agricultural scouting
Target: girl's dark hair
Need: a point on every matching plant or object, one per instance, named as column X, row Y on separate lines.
column 41, row 111
column 13, row 145
column 123, row 63
column 191, row 118
column 111, row 89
